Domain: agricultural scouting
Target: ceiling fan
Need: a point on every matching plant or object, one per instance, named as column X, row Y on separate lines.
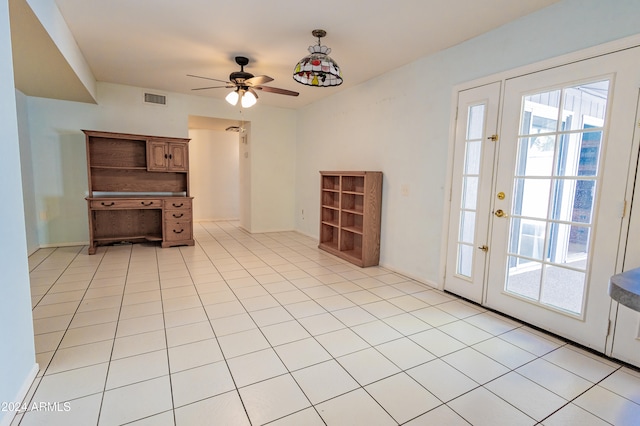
column 245, row 85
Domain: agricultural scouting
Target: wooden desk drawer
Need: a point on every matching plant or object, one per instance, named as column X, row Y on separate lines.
column 126, row 204
column 176, row 203
column 179, row 215
column 177, row 230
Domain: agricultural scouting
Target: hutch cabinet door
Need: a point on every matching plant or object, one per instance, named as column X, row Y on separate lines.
column 157, row 156
column 178, row 157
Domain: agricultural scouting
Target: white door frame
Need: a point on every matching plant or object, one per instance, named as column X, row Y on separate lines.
column 628, row 255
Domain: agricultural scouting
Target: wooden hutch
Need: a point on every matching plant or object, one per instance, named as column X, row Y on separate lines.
column 138, row 189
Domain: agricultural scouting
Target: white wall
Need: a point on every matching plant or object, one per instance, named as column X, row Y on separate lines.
column 272, row 171
column 399, row 123
column 17, row 353
column 214, row 174
column 59, row 154
column 26, row 163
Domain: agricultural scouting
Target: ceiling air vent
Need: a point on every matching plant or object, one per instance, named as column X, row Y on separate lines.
column 152, row 98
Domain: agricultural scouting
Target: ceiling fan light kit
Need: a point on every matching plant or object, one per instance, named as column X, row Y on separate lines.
column 247, row 98
column 244, row 85
column 317, row 68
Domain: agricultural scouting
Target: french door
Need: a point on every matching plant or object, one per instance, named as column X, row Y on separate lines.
column 474, row 152
column 557, row 196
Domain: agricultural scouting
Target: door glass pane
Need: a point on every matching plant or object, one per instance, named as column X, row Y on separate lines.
column 472, row 159
column 563, row 288
column 554, row 194
column 535, row 156
column 475, row 127
column 573, row 200
column 585, row 104
column 578, row 247
column 465, row 259
column 569, row 245
column 531, row 197
column 468, row 227
column 524, row 281
column 470, row 196
column 578, row 154
column 527, row 239
column 540, row 113
column 591, row 144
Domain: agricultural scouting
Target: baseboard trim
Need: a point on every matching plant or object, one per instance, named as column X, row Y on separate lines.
column 22, row 393
column 54, row 245
column 422, row 281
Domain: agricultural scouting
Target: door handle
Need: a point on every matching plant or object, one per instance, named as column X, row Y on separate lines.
column 484, row 248
column 500, row 213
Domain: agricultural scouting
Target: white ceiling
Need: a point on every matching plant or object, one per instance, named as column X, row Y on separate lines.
column 154, row 44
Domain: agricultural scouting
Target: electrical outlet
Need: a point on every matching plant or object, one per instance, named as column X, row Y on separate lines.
column 404, row 189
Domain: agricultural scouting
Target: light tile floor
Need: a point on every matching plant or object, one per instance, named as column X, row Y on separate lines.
column 255, row 329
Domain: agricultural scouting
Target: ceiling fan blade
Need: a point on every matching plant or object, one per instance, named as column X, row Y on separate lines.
column 208, row 78
column 213, row 87
column 253, row 92
column 257, row 80
column 276, row 90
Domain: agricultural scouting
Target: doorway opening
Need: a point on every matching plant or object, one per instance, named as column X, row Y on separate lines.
column 218, row 176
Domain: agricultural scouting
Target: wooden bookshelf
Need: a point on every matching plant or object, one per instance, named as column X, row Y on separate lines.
column 350, row 207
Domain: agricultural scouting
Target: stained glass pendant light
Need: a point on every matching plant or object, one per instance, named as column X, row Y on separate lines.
column 317, row 68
